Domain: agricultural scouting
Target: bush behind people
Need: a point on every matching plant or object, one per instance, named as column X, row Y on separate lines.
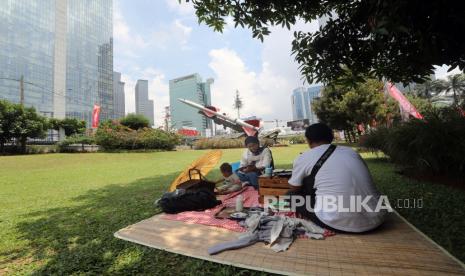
column 111, row 135
column 435, row 144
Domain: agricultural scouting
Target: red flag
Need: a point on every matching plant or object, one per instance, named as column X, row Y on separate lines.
column 403, row 101
column 95, row 116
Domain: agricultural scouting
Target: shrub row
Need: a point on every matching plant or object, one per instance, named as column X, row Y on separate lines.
column 297, row 139
column 226, row 143
column 111, row 135
column 435, row 144
column 63, row 146
column 218, row 143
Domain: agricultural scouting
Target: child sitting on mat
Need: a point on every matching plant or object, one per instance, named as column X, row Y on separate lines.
column 231, row 182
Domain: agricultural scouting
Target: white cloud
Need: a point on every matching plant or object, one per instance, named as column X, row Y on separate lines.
column 124, row 37
column 183, row 8
column 267, row 93
column 441, row 71
column 277, row 51
column 231, row 74
column 176, row 34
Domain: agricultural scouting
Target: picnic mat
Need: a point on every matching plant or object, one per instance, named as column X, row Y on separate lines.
column 397, row 248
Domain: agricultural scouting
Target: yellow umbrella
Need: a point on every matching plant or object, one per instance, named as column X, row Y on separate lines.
column 204, row 164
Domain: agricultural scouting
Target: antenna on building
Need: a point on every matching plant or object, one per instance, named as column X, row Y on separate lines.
column 238, row 104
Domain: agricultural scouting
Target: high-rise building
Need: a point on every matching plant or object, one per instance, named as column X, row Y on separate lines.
column 192, row 88
column 144, row 106
column 301, row 100
column 297, row 101
column 311, row 94
column 118, row 96
column 63, row 51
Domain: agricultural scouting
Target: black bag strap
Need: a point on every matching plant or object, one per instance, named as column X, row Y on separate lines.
column 322, row 160
column 198, row 172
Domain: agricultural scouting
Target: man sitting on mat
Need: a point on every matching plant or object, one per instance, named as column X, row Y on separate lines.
column 338, row 175
column 254, row 161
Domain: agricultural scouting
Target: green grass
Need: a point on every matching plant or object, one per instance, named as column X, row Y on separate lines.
column 59, row 211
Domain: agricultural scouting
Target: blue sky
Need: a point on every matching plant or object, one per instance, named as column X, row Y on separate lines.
column 159, row 40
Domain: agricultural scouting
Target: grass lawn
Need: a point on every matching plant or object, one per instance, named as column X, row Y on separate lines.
column 59, row 211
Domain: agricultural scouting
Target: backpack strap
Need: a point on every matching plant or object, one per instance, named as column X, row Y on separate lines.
column 308, row 183
column 322, row 160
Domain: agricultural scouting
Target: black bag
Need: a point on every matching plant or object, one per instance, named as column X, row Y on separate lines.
column 190, row 200
column 196, row 184
column 192, row 195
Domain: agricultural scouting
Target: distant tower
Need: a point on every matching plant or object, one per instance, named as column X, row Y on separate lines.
column 144, row 106
column 238, row 104
column 118, row 96
column 167, row 118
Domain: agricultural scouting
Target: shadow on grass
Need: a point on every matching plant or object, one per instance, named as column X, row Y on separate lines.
column 79, row 238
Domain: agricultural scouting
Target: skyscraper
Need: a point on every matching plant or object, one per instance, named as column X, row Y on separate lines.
column 297, row 101
column 144, row 106
column 118, row 96
column 192, row 88
column 301, row 100
column 63, row 50
column 311, row 94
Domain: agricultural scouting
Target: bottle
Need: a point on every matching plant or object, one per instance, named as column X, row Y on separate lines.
column 239, row 203
column 268, row 171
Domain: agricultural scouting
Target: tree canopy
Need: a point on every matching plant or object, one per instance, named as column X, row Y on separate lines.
column 20, row 123
column 70, row 125
column 344, row 108
column 135, row 121
column 401, row 40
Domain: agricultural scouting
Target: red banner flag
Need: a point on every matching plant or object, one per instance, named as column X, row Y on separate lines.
column 95, row 116
column 403, row 101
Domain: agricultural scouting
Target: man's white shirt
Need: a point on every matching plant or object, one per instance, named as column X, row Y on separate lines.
column 344, row 174
column 261, row 160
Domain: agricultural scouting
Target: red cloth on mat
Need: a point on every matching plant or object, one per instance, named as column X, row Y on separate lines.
column 250, row 197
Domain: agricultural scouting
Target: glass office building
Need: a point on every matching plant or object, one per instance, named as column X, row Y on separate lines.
column 63, row 50
column 297, row 102
column 311, row 94
column 301, row 100
column 191, row 88
column 144, row 106
column 27, row 32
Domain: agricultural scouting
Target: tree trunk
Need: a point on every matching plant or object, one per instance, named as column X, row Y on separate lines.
column 348, row 135
column 354, row 137
column 2, row 148
column 23, row 141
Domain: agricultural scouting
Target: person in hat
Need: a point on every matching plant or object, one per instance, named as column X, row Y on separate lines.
column 254, row 161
